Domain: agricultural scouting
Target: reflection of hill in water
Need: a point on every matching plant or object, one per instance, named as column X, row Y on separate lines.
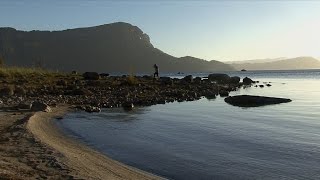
column 117, row 47
column 119, row 114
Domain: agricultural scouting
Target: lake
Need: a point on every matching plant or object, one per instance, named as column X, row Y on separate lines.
column 210, row 139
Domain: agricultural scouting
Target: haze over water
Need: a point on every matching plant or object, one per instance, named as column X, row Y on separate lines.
column 209, row 139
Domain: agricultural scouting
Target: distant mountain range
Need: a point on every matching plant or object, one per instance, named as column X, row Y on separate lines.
column 256, row 60
column 116, row 47
column 278, row 64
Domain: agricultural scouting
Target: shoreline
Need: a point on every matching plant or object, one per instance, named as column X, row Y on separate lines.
column 42, row 151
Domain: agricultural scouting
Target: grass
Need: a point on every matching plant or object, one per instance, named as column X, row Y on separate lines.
column 17, row 72
column 29, row 77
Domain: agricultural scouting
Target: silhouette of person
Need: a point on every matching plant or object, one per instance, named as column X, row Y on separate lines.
column 156, row 71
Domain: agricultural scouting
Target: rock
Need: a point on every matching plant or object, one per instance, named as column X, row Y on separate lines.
column 40, row 106
column 6, row 91
column 188, row 79
column 210, row 95
column 219, row 78
column 128, row 106
column 247, row 81
column 91, row 109
column 235, row 80
column 81, row 92
column 91, row 76
column 268, row 85
column 146, row 77
column 223, row 93
column 254, row 101
column 24, row 105
column 197, row 80
column 243, row 70
column 20, row 91
column 261, row 85
column 166, row 80
column 104, row 74
column 61, row 82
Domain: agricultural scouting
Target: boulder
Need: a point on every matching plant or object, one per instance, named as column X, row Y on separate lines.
column 127, row 106
column 235, row 80
column 197, row 80
column 91, row 76
column 210, row 94
column 104, row 74
column 146, row 77
column 247, row 81
column 223, row 93
column 268, row 85
column 254, row 101
column 6, row 91
column 24, row 105
column 261, row 85
column 20, row 91
column 166, row 80
column 61, row 82
column 219, row 78
column 40, row 106
column 188, row 79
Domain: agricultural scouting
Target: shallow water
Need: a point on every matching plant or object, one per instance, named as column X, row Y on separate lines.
column 209, row 139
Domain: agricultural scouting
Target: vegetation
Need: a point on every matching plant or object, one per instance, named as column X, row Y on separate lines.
column 1, row 62
column 21, row 71
column 131, row 80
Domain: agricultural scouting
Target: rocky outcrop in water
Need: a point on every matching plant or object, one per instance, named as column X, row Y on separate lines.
column 254, row 101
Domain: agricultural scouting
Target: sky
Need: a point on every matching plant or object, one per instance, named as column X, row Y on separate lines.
column 211, row 30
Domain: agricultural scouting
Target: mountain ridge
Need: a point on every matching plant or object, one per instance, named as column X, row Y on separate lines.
column 115, row 47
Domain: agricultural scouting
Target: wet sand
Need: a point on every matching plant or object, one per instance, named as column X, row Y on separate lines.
column 31, row 147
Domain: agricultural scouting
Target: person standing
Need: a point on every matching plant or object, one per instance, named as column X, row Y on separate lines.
column 156, row 71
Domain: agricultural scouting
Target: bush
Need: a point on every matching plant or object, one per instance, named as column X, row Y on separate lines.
column 131, row 80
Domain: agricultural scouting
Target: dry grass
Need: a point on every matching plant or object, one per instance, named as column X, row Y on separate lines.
column 30, row 77
column 18, row 72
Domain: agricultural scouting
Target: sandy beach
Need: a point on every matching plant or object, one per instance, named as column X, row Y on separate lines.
column 33, row 147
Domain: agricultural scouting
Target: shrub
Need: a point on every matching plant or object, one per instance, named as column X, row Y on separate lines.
column 131, row 80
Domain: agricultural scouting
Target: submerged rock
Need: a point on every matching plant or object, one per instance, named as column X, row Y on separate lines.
column 254, row 101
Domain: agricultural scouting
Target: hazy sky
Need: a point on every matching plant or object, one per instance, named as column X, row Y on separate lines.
column 221, row 30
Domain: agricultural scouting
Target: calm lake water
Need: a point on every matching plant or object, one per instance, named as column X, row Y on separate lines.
column 209, row 139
